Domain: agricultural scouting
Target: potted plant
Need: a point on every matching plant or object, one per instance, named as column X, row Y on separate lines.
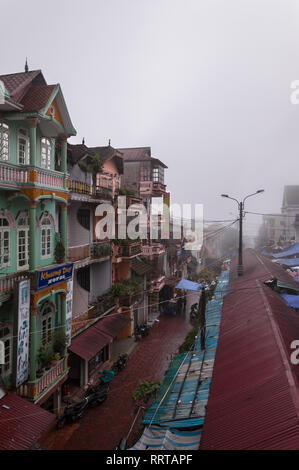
column 45, row 357
column 59, row 342
column 59, row 252
column 55, row 359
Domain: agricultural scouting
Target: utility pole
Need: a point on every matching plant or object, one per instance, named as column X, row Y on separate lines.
column 240, row 268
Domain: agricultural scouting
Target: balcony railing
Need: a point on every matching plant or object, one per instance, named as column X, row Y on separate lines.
column 16, row 176
column 127, row 250
column 79, row 187
column 7, row 282
column 152, row 188
column 152, row 250
column 32, row 390
column 100, row 249
column 76, row 253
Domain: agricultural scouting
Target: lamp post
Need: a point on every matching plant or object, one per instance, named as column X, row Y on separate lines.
column 241, row 210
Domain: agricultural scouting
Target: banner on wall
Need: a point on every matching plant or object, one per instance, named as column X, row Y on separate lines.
column 21, row 332
column 69, row 311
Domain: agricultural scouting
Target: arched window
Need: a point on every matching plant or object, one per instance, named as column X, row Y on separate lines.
column 46, row 235
column 47, row 322
column 23, row 147
column 46, row 153
column 5, row 236
column 4, row 141
column 6, row 338
column 22, row 242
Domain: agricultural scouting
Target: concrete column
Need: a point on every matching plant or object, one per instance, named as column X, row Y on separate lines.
column 64, row 154
column 63, row 314
column 32, row 236
column 64, row 229
column 32, row 138
column 33, row 344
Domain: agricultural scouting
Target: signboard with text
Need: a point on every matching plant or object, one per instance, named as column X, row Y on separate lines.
column 52, row 276
column 21, row 332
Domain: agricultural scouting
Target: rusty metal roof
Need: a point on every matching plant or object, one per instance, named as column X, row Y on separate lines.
column 254, row 399
column 91, row 341
column 21, row 422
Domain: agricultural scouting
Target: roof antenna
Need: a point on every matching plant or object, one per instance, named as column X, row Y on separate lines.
column 83, row 141
column 26, row 66
column 109, row 143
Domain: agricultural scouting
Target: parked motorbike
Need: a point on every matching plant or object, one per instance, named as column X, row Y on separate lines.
column 106, row 376
column 142, row 330
column 121, row 363
column 72, row 413
column 97, row 394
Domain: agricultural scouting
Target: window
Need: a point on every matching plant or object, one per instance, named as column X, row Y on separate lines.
column 155, row 174
column 4, row 141
column 23, row 147
column 22, row 242
column 83, row 278
column 4, row 241
column 83, row 216
column 46, row 153
column 6, row 338
column 46, row 234
column 158, row 174
column 47, row 319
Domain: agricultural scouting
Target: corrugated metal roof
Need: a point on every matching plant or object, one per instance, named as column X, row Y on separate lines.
column 254, row 400
column 21, row 423
column 90, row 342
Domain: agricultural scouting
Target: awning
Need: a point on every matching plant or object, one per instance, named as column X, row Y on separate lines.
column 188, row 285
column 140, row 267
column 21, row 422
column 290, row 262
column 91, row 341
column 290, row 251
column 291, row 300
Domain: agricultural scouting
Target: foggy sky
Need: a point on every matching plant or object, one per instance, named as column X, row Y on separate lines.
column 205, row 83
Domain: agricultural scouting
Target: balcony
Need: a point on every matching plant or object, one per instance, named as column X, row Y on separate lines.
column 104, row 305
column 126, row 250
column 14, row 176
column 156, row 281
column 7, row 283
column 153, row 250
column 76, row 253
column 34, row 390
column 152, row 188
column 100, row 250
column 79, row 187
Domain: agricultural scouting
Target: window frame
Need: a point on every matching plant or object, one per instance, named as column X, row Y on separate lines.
column 46, row 333
column 4, row 124
column 26, row 138
column 46, row 144
column 4, row 229
column 48, row 229
column 23, row 228
column 7, row 337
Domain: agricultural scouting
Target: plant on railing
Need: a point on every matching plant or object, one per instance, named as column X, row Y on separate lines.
column 127, row 192
column 59, row 342
column 59, row 252
column 94, row 165
column 126, row 288
column 100, row 250
column 144, row 392
column 45, row 357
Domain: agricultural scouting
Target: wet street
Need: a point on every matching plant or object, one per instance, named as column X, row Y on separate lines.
column 102, row 428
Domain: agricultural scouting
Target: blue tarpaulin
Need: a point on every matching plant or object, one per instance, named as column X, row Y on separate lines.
column 291, row 300
column 188, row 285
column 291, row 251
column 290, row 262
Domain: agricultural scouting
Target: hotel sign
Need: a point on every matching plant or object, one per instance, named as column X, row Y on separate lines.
column 21, row 332
column 52, row 276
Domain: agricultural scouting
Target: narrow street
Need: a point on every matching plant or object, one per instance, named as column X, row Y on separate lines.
column 101, row 428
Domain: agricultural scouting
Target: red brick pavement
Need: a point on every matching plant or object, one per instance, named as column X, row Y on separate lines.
column 102, row 428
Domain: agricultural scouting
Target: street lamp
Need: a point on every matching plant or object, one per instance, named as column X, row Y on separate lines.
column 241, row 209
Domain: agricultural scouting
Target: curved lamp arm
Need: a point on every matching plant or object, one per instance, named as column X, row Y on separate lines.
column 253, row 194
column 228, row 197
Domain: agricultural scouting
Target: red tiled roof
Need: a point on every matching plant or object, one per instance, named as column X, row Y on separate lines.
column 91, row 341
column 17, row 83
column 37, row 97
column 22, row 423
column 254, row 399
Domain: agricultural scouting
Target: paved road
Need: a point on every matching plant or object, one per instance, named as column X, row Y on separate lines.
column 101, row 428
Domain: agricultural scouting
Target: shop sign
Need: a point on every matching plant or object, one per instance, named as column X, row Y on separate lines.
column 52, row 276
column 21, row 332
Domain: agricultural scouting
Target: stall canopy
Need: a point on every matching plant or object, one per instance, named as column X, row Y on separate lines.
column 188, row 285
column 291, row 263
column 91, row 341
column 291, row 300
column 291, row 251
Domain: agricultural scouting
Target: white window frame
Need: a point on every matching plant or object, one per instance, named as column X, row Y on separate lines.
column 46, row 153
column 3, row 229
column 5, row 369
column 23, row 228
column 46, row 230
column 47, row 323
column 4, row 141
column 24, row 135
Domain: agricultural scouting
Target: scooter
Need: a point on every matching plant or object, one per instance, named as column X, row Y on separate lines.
column 142, row 330
column 97, row 395
column 121, row 363
column 72, row 413
column 193, row 312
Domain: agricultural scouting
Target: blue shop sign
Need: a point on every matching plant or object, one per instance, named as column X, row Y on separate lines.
column 50, row 277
